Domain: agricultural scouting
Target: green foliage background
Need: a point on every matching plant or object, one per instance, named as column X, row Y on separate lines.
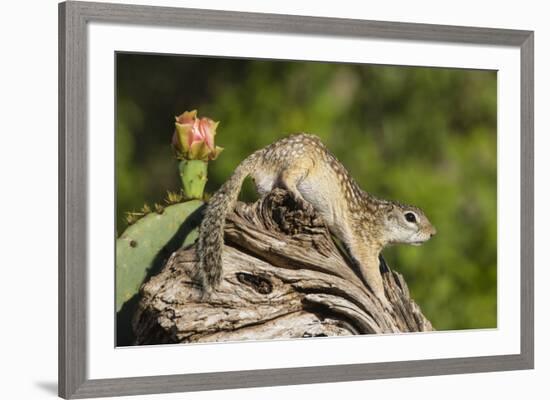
column 424, row 136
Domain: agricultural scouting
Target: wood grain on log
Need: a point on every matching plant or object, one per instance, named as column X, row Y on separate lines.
column 283, row 277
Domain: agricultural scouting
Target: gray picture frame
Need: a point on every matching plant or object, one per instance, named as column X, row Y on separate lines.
column 73, row 173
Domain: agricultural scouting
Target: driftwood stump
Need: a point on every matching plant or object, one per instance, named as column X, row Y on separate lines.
column 283, row 277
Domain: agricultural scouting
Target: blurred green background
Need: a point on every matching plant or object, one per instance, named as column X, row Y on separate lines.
column 423, row 136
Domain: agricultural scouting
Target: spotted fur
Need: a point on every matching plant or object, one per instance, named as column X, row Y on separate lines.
column 303, row 165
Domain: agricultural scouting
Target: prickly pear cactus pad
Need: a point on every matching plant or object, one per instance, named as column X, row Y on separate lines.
column 145, row 245
column 153, row 236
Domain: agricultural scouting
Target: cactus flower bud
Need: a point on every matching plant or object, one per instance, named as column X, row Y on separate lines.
column 193, row 138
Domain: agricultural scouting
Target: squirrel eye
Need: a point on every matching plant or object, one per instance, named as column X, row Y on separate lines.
column 410, row 217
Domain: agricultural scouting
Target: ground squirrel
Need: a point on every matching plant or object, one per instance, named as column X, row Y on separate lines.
column 302, row 165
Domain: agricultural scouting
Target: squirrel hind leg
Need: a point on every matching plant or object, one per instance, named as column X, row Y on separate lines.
column 289, row 180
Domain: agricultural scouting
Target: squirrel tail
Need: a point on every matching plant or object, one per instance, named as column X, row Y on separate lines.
column 210, row 241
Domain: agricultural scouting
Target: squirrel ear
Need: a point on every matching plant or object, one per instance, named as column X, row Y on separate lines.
column 389, row 208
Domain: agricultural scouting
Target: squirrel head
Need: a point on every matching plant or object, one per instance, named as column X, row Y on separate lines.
column 405, row 224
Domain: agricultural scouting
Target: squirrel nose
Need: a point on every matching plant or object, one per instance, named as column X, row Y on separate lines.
column 433, row 232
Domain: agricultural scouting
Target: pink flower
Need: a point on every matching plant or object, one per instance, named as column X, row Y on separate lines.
column 193, row 138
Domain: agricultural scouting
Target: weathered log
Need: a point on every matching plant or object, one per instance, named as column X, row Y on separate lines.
column 283, row 277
